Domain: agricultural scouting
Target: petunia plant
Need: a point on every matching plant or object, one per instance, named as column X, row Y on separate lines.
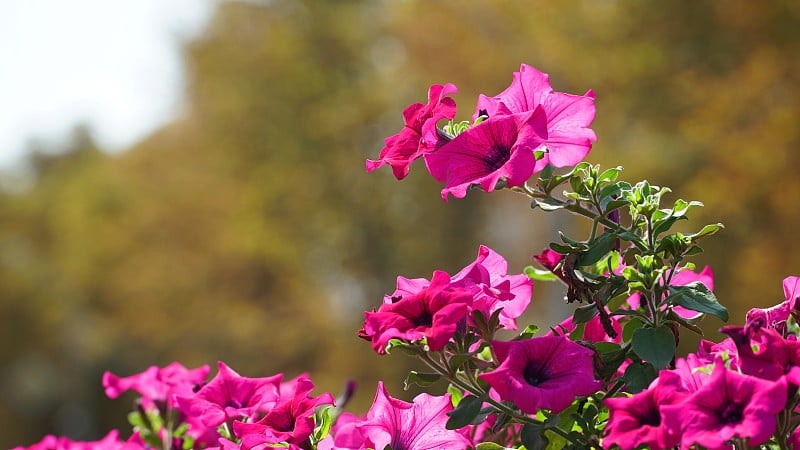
column 607, row 376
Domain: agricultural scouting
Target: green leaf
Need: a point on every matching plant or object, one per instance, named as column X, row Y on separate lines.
column 686, row 323
column 697, row 297
column 527, row 333
column 597, row 249
column 584, row 314
column 466, row 411
column 654, row 345
column 136, row 420
column 632, row 325
column 455, row 394
column 547, row 204
column 610, row 175
column 563, row 249
column 533, row 437
column 638, row 376
column 459, row 359
column 489, row 446
column 420, row 379
column 707, row 230
column 682, row 207
column 539, row 274
column 323, row 418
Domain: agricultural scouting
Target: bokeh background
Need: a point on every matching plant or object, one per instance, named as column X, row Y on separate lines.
column 247, row 230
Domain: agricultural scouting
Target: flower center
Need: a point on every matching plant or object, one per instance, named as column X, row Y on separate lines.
column 534, row 374
column 731, row 414
column 423, row 320
column 651, row 417
column 497, row 156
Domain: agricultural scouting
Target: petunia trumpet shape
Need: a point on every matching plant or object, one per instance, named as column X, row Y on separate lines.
column 230, row 396
column 547, row 372
column 410, row 426
column 776, row 316
column 291, row 420
column 636, row 420
column 401, row 149
column 567, row 117
column 109, row 442
column 491, row 286
column 157, row 385
column 434, row 314
column 498, row 148
column 730, row 405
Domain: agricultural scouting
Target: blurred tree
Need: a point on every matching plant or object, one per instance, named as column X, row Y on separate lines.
column 248, row 230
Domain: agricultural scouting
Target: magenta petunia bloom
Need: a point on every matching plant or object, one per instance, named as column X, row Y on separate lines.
column 547, row 372
column 109, row 442
column 730, row 405
column 344, row 434
column 157, row 384
column 403, row 148
column 230, row 396
column 497, row 148
column 491, row 287
column 433, row 314
column 410, row 426
column 636, row 420
column 291, row 420
column 765, row 353
column 568, row 137
column 776, row 316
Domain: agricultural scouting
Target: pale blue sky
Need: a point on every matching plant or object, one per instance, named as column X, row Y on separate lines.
column 113, row 64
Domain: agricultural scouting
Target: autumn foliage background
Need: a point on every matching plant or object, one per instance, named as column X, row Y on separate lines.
column 248, row 231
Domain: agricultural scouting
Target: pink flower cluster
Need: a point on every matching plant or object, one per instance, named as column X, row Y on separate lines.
column 259, row 412
column 731, row 390
column 434, row 310
column 509, row 129
column 515, row 392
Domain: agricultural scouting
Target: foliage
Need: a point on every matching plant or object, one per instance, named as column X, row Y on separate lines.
column 220, row 217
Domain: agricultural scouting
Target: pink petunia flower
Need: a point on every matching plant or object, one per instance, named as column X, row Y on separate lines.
column 291, row 420
column 344, row 434
column 488, row 280
column 567, row 117
column 229, row 396
column 730, row 405
column 403, row 148
column 776, row 316
column 109, row 442
column 765, row 354
column 493, row 289
column 636, row 420
column 496, row 148
column 547, row 372
column 410, row 426
column 157, row 385
column 433, row 313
